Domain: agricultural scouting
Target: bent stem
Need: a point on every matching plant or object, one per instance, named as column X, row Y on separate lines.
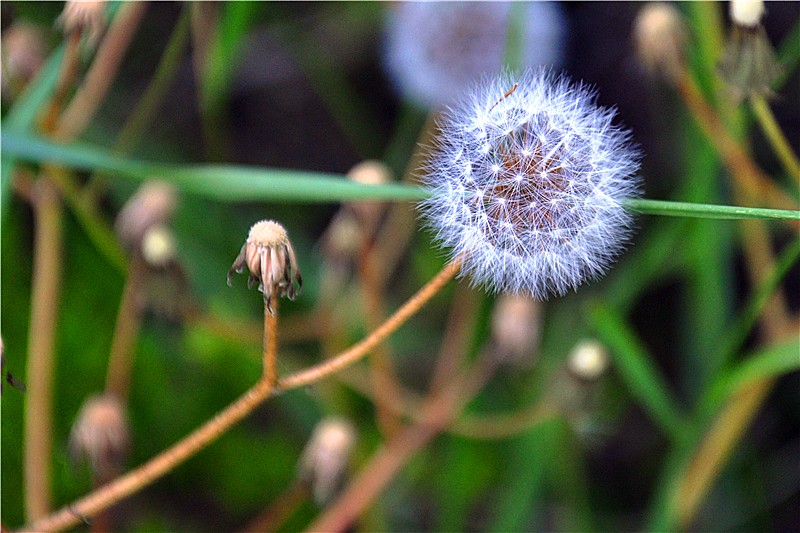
column 179, row 452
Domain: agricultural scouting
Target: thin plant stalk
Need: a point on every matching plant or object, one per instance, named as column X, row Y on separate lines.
column 181, row 451
column 280, row 510
column 45, row 297
column 438, row 411
column 384, row 381
column 126, row 331
column 751, row 178
column 460, row 322
column 103, row 71
column 781, row 147
column 271, row 340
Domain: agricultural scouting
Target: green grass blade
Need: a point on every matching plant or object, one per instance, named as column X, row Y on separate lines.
column 636, row 368
column 727, row 212
column 248, row 183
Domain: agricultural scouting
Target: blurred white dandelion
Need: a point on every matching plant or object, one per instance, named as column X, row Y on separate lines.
column 528, row 180
column 435, row 49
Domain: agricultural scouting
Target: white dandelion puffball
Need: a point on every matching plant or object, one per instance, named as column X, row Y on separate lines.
column 435, row 49
column 527, row 183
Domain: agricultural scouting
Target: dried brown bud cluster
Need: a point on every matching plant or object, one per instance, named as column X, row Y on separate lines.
column 100, row 435
column 326, row 458
column 269, row 256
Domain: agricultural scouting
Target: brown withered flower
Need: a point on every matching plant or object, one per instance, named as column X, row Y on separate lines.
column 100, row 435
column 269, row 256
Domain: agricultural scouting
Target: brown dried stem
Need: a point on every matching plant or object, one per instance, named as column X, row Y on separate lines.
column 208, row 432
column 271, row 339
column 45, row 295
column 104, row 68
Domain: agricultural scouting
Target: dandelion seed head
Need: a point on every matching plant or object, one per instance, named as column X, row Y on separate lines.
column 542, row 209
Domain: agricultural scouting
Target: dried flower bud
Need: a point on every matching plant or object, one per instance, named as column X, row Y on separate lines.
column 747, row 12
column 86, row 17
column 748, row 65
column 100, row 435
column 515, row 327
column 588, row 360
column 269, row 256
column 369, row 173
column 326, row 458
column 151, row 205
column 660, row 37
column 23, row 51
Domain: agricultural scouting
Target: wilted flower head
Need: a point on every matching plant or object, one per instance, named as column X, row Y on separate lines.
column 326, row 457
column 100, row 435
column 151, row 205
column 269, row 256
column 436, row 49
column 748, row 64
column 24, row 51
column 528, row 183
column 660, row 36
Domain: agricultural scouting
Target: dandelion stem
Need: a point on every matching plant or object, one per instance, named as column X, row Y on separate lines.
column 181, row 451
column 362, row 348
column 773, row 132
column 271, row 338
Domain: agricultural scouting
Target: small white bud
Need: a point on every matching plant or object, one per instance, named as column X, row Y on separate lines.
column 588, row 360
column 747, row 13
column 158, row 246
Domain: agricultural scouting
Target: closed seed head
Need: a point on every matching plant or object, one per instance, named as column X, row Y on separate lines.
column 528, row 184
column 270, row 258
column 100, row 435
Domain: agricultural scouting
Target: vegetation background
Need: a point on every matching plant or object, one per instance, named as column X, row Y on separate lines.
column 301, row 86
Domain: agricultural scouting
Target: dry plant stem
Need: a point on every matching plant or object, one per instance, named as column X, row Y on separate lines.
column 45, row 297
column 437, row 413
column 280, row 510
column 126, row 330
column 104, row 69
column 384, row 382
column 208, row 432
column 751, row 178
column 716, row 448
column 271, row 340
column 773, row 132
column 360, row 349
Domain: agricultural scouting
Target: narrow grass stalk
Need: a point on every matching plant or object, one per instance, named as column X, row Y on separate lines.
column 781, row 147
column 45, row 297
column 181, row 451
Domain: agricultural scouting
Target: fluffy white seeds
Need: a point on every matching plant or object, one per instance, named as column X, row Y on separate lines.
column 528, row 185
